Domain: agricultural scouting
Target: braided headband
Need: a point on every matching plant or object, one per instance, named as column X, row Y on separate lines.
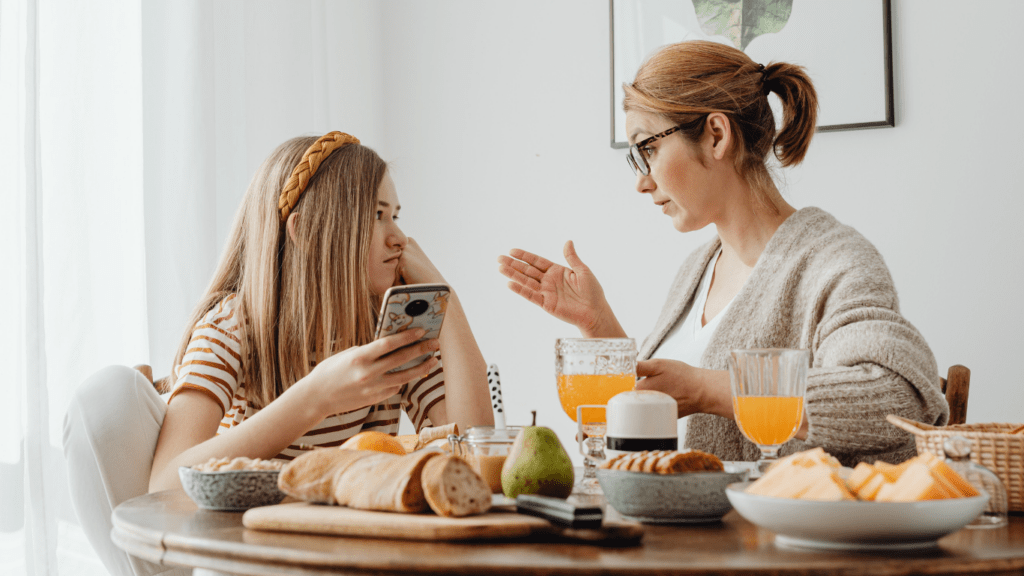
column 306, row 168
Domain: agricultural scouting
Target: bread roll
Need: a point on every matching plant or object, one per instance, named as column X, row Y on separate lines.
column 310, row 477
column 453, row 488
column 383, row 481
column 665, row 462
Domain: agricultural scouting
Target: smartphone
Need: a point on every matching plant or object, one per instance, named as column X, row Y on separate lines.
column 413, row 306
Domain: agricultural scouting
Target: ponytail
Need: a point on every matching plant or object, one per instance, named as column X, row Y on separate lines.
column 799, row 110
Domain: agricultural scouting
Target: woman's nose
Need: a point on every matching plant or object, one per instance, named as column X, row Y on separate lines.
column 645, row 184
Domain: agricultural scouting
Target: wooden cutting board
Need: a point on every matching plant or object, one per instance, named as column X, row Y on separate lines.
column 497, row 524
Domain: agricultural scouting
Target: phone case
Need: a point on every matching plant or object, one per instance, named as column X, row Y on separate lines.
column 413, row 306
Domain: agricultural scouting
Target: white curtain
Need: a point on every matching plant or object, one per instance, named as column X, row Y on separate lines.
column 128, row 132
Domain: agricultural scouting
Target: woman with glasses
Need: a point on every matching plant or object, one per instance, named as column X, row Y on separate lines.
column 701, row 129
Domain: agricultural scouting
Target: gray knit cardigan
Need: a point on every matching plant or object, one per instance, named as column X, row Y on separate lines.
column 821, row 286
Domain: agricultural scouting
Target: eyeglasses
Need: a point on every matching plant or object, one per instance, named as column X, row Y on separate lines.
column 637, row 160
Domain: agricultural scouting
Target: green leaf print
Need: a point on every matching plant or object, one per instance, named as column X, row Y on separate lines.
column 742, row 20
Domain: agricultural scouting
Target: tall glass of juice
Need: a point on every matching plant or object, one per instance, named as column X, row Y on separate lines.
column 591, row 371
column 768, row 386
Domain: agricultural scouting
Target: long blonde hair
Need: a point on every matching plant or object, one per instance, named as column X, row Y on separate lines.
column 687, row 81
column 298, row 302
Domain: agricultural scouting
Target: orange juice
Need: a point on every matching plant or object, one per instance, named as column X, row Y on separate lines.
column 768, row 420
column 576, row 389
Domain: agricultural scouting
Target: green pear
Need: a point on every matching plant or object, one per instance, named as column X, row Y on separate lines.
column 537, row 464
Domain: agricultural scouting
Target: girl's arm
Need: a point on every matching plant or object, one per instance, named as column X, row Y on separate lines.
column 467, row 400
column 189, row 432
column 346, row 381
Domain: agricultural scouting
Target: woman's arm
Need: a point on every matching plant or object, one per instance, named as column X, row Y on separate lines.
column 696, row 390
column 571, row 294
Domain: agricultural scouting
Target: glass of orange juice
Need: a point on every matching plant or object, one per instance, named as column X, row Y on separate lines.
column 590, row 371
column 768, row 386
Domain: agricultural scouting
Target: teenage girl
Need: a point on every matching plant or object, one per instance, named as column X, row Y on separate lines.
column 279, row 355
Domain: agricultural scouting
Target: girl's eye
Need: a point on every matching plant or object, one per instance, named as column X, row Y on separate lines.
column 649, row 151
column 380, row 213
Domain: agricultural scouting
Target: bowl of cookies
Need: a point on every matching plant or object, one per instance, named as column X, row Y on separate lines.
column 232, row 484
column 669, row 486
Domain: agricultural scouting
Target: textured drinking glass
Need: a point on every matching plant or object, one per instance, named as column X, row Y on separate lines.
column 590, row 371
column 768, row 388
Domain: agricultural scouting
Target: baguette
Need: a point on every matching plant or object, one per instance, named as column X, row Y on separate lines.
column 383, row 481
column 453, row 488
column 310, row 477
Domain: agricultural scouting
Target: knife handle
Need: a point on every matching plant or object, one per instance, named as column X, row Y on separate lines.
column 559, row 511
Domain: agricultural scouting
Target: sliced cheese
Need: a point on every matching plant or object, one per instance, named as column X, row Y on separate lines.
column 892, row 472
column 960, row 485
column 916, row 483
column 826, row 485
column 872, row 487
column 860, row 476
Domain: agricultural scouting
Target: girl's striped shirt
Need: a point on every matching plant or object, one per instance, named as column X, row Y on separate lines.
column 212, row 362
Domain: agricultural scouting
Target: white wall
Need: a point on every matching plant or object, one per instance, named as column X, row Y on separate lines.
column 497, row 124
column 224, row 84
column 495, row 118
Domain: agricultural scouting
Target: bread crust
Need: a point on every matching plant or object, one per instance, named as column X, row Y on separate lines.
column 453, row 488
column 310, row 477
column 383, row 481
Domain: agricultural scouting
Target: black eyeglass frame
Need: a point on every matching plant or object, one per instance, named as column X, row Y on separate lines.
column 637, row 150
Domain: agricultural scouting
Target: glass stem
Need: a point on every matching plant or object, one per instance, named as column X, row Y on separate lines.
column 595, row 454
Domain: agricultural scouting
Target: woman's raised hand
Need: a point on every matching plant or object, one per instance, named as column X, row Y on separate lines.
column 358, row 376
column 570, row 294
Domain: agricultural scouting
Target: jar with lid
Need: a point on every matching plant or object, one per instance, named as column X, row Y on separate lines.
column 485, row 449
column 958, row 457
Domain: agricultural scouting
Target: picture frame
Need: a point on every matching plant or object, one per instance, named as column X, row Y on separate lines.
column 846, row 48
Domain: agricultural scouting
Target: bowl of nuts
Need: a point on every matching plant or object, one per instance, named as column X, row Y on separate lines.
column 232, row 484
column 668, row 486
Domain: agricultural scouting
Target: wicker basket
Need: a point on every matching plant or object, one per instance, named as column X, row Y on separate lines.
column 991, row 446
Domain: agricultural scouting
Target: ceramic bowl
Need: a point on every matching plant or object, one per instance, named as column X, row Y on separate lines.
column 231, row 490
column 689, row 497
column 855, row 525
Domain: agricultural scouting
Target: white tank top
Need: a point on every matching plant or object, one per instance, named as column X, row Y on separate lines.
column 687, row 339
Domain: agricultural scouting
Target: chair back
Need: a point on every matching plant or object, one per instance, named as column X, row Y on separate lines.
column 955, row 386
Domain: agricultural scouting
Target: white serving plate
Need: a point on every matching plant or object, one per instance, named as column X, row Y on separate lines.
column 855, row 525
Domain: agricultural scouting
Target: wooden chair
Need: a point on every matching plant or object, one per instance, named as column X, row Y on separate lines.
column 955, row 386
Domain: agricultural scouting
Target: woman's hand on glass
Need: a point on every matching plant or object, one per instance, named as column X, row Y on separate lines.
column 696, row 390
column 415, row 267
column 358, row 377
column 570, row 294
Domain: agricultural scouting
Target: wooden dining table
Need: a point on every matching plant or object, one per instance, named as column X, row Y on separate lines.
column 168, row 528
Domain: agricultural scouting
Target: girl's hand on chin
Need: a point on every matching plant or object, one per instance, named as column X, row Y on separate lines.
column 415, row 268
column 358, row 376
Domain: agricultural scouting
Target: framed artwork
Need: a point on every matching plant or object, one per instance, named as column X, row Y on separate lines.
column 845, row 46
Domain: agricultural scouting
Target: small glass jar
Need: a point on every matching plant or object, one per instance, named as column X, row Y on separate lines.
column 485, row 449
column 958, row 457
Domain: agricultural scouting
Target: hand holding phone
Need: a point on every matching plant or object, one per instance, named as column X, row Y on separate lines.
column 413, row 306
